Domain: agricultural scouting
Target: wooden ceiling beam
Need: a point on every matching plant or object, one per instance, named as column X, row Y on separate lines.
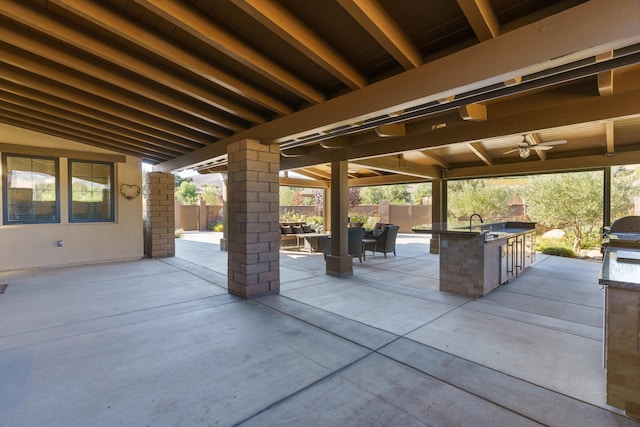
column 385, row 180
column 605, row 78
column 106, row 18
column 429, row 154
column 397, row 165
column 191, row 138
column 482, row 18
column 205, row 30
column 478, row 149
column 44, row 68
column 87, row 131
column 550, row 165
column 379, row 24
column 83, row 123
column 54, row 128
column 39, row 46
column 582, row 110
column 275, row 17
column 610, row 137
column 21, row 12
column 80, row 111
column 492, row 62
column 306, row 183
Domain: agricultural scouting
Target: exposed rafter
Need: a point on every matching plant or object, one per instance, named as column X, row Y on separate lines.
column 275, row 17
column 385, row 30
column 108, row 19
column 198, row 26
column 482, row 18
column 20, row 12
column 481, row 152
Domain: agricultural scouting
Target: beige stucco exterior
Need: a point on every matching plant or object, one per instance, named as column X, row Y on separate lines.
column 35, row 245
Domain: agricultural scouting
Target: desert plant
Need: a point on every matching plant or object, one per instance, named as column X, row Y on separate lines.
column 179, row 233
column 559, row 251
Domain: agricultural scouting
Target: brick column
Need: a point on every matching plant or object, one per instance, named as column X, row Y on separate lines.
column 160, row 229
column 253, row 212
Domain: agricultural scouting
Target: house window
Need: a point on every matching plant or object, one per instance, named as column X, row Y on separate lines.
column 30, row 190
column 91, row 190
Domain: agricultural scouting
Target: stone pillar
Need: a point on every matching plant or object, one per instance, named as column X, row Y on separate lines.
column 160, row 227
column 252, row 210
column 339, row 263
column 622, row 317
column 225, row 224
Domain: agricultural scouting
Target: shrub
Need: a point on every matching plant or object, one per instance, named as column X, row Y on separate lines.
column 179, row 233
column 288, row 216
column 314, row 220
column 218, row 227
column 358, row 217
column 559, row 251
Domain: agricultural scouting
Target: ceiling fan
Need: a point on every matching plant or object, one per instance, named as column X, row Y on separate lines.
column 524, row 148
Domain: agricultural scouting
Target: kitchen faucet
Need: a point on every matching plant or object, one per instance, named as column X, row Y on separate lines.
column 471, row 219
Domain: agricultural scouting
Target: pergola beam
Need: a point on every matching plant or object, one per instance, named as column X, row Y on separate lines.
column 377, row 22
column 205, row 30
column 104, row 17
column 482, row 18
column 492, row 62
column 283, row 23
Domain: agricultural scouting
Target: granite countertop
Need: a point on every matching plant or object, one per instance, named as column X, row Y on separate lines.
column 621, row 268
column 496, row 229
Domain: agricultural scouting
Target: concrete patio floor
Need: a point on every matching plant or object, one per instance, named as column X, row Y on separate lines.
column 161, row 343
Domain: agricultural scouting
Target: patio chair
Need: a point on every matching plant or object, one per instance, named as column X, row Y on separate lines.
column 386, row 241
column 355, row 237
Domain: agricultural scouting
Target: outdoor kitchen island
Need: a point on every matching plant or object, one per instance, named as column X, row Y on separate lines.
column 475, row 260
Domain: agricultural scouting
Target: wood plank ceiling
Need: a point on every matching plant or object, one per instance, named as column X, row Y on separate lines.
column 405, row 90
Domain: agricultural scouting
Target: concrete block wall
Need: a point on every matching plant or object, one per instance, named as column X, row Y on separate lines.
column 623, row 350
column 253, row 218
column 160, row 227
column 462, row 273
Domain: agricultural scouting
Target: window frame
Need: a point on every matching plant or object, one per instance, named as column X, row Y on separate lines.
column 112, row 196
column 5, row 189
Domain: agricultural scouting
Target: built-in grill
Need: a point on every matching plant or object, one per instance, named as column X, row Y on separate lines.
column 624, row 232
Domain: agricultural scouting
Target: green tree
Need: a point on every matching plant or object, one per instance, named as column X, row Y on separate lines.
column 396, row 194
column 187, row 193
column 569, row 201
column 423, row 189
column 289, row 196
column 466, row 197
column 625, row 186
column 177, row 179
column 210, row 194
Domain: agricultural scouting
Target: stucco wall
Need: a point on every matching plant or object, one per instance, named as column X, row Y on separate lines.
column 35, row 245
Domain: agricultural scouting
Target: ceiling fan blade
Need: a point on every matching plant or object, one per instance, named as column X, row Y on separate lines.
column 557, row 142
column 511, row 151
column 541, row 147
